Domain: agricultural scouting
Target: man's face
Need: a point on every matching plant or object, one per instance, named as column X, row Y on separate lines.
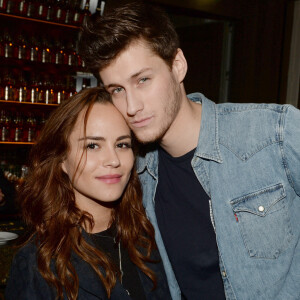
column 145, row 90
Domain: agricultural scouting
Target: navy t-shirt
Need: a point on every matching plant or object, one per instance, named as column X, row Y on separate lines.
column 182, row 210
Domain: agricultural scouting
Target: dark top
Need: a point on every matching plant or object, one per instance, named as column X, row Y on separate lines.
column 183, row 215
column 25, row 281
column 131, row 282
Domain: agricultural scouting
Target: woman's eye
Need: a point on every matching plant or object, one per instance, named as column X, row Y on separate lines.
column 124, row 145
column 92, row 146
column 117, row 90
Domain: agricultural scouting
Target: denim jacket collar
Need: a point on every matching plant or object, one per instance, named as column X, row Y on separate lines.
column 208, row 142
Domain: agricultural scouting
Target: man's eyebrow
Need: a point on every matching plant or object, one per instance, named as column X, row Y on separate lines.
column 131, row 77
column 139, row 72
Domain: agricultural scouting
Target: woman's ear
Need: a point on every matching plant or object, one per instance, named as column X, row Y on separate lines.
column 179, row 66
column 63, row 167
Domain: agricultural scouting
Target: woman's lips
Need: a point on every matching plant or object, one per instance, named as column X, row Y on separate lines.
column 110, row 178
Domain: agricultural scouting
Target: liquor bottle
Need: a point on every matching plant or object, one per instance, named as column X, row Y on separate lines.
column 58, row 53
column 30, row 130
column 8, row 45
column 69, row 12
column 60, row 91
column 21, row 94
column 31, row 9
column 9, row 88
column 10, row 7
column 100, row 8
column 41, row 90
column 34, row 49
column 22, row 8
column 3, row 4
column 34, row 90
column 5, row 123
column 70, row 57
column 17, row 128
column 60, row 13
column 41, row 10
column 49, row 97
column 21, row 48
column 86, row 12
column 50, row 10
column 45, row 51
column 78, row 14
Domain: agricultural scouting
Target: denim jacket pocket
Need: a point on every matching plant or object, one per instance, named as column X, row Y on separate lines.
column 264, row 221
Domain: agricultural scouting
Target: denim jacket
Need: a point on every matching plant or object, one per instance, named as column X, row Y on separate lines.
column 248, row 162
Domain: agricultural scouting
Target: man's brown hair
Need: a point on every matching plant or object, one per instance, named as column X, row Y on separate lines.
column 104, row 38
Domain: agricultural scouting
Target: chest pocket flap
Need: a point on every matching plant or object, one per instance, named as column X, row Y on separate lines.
column 260, row 202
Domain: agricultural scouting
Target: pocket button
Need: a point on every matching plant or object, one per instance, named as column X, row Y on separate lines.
column 261, row 208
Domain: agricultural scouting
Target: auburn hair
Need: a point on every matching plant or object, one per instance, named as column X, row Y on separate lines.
column 103, row 39
column 48, row 207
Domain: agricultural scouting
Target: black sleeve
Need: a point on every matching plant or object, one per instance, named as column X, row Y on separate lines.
column 25, row 282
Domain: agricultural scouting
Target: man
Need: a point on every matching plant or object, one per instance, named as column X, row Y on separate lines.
column 221, row 183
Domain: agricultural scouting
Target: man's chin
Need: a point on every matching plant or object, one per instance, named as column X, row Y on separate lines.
column 147, row 139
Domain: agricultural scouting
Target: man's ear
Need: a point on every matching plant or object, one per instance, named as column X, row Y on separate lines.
column 179, row 66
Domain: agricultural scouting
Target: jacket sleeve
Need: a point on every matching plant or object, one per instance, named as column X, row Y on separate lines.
column 291, row 146
column 25, row 282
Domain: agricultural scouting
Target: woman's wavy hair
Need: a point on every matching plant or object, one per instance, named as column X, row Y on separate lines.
column 103, row 39
column 49, row 210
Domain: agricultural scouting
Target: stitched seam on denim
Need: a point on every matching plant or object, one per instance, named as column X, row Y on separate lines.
column 248, row 155
column 284, row 158
column 242, row 108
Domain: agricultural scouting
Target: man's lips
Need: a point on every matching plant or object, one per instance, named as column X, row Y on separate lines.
column 141, row 122
column 114, row 178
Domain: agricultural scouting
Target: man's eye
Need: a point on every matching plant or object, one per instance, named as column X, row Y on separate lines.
column 144, row 79
column 124, row 145
column 117, row 90
column 92, row 146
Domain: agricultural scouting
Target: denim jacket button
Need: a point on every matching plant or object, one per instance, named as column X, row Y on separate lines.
column 261, row 208
column 223, row 273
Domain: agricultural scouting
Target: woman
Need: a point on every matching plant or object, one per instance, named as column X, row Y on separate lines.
column 82, row 199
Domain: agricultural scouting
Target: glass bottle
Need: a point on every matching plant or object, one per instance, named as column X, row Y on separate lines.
column 5, row 123
column 31, row 9
column 50, row 10
column 31, row 124
column 86, row 12
column 21, row 48
column 100, row 8
column 8, row 45
column 69, row 12
column 78, row 13
column 10, row 7
column 17, row 132
column 60, row 12
column 3, row 4
column 45, row 51
column 41, row 10
column 9, row 88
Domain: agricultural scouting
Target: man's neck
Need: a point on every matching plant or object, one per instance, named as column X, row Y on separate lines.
column 183, row 134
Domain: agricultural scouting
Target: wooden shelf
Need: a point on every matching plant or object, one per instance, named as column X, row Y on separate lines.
column 39, row 21
column 16, row 143
column 28, row 103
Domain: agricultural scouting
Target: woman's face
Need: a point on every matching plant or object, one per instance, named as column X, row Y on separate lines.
column 107, row 158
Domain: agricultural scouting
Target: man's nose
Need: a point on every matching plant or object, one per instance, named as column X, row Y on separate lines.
column 134, row 103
